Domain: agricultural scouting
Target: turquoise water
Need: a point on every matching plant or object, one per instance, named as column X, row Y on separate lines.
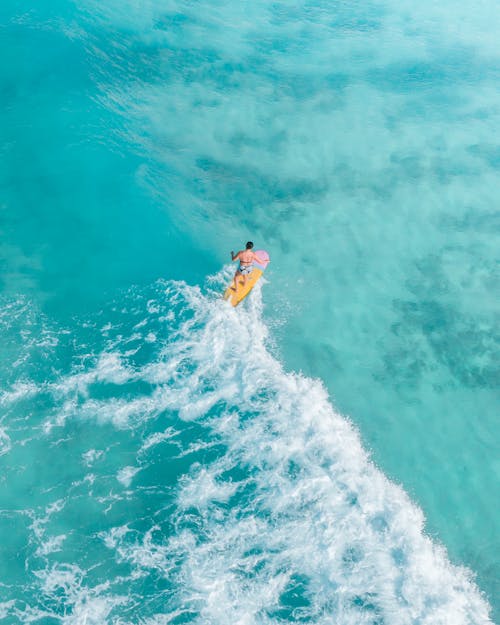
column 328, row 452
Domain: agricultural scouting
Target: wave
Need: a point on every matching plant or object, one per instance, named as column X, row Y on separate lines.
column 218, row 487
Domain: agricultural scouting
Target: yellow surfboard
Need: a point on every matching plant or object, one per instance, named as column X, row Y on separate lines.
column 234, row 297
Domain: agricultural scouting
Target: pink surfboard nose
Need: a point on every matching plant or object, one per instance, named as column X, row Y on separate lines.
column 263, row 257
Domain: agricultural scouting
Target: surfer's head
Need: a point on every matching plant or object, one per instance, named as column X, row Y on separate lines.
column 249, row 245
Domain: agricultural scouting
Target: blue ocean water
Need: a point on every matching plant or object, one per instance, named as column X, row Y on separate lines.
column 326, row 453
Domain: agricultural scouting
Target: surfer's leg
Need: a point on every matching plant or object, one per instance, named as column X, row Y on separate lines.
column 234, row 286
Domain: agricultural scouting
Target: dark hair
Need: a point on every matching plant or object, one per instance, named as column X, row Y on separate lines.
column 249, row 245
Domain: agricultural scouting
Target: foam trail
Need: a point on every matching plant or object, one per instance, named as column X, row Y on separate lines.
column 237, row 494
column 292, row 520
column 314, row 517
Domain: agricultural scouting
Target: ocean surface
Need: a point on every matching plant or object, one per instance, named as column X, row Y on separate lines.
column 327, row 453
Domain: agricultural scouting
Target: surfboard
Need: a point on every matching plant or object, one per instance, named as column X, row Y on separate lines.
column 235, row 297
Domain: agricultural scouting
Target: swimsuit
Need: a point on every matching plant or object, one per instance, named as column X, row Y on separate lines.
column 245, row 270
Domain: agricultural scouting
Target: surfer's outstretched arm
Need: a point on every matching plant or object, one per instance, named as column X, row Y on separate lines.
column 235, row 256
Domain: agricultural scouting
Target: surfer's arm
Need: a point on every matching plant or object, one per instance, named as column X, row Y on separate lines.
column 235, row 256
column 258, row 260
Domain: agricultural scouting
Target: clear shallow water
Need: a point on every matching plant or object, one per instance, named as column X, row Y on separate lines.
column 358, row 146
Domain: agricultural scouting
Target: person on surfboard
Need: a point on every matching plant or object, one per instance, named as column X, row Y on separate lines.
column 246, row 258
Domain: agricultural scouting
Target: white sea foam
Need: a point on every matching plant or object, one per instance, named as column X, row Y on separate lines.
column 157, row 438
column 312, row 516
column 126, row 475
column 144, row 553
column 6, row 608
column 285, row 519
column 46, row 545
column 109, row 367
column 90, row 456
column 51, row 545
column 64, row 585
column 5, row 443
column 19, row 390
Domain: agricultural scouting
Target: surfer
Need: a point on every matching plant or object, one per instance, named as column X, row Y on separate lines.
column 246, row 258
